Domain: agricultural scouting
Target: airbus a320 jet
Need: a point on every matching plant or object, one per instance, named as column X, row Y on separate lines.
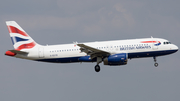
column 112, row 53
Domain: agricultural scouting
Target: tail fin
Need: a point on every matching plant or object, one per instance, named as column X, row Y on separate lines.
column 20, row 39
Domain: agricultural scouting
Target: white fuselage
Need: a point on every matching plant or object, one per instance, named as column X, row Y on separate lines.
column 133, row 47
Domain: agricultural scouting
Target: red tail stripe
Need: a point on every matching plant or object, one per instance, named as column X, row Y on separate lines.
column 26, row 46
column 13, row 29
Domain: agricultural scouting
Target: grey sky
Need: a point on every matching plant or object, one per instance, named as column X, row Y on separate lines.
column 65, row 21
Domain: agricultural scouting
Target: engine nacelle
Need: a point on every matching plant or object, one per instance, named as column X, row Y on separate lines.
column 116, row 59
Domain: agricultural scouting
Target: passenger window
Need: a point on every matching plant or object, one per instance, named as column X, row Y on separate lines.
column 167, row 43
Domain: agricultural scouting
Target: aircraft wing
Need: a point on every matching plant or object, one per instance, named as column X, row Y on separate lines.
column 93, row 52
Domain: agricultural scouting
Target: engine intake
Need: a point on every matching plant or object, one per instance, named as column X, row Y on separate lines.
column 116, row 59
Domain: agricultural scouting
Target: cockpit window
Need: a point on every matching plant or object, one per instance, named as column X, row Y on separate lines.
column 167, row 42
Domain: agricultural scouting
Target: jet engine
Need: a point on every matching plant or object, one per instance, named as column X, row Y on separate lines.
column 116, row 59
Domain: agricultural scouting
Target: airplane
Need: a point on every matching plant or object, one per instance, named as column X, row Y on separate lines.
column 112, row 53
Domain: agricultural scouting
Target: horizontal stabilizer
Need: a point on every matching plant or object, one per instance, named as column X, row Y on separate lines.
column 18, row 52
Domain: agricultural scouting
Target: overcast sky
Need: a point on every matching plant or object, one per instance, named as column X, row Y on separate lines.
column 65, row 21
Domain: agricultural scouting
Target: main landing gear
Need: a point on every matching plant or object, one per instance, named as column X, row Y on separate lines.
column 97, row 67
column 155, row 64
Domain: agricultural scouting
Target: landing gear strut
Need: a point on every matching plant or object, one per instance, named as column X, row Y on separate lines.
column 155, row 64
column 97, row 67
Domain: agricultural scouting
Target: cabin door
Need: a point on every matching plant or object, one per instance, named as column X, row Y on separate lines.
column 155, row 44
column 41, row 52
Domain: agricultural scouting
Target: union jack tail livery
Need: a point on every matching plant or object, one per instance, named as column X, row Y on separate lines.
column 20, row 39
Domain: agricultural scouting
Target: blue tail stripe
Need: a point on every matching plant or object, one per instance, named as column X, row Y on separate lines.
column 20, row 39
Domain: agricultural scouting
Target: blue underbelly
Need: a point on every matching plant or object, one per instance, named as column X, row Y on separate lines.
column 150, row 54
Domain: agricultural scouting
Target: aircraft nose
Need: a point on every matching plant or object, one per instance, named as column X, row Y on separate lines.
column 175, row 47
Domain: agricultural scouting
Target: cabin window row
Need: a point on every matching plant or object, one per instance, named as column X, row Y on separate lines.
column 122, row 46
column 66, row 50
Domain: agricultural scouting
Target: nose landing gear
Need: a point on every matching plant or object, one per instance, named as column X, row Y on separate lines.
column 155, row 64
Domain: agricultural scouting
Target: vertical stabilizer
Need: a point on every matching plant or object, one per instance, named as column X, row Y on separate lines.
column 20, row 39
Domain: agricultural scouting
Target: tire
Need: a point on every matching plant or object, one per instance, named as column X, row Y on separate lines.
column 97, row 68
column 155, row 64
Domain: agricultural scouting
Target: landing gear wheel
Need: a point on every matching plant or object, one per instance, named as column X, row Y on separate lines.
column 155, row 64
column 97, row 68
